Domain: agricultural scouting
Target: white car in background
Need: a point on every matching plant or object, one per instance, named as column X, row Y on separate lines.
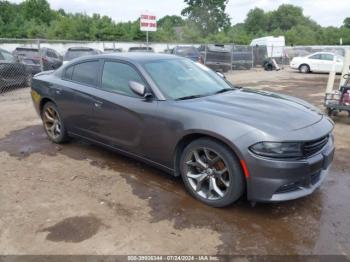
column 318, row 62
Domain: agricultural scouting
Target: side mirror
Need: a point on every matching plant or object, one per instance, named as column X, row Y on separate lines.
column 221, row 75
column 139, row 89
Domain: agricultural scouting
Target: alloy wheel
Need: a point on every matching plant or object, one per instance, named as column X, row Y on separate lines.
column 52, row 122
column 207, row 173
column 304, row 69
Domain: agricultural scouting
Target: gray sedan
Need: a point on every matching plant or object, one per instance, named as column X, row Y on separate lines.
column 184, row 118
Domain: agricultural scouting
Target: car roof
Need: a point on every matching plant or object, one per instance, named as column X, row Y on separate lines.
column 328, row 53
column 135, row 57
column 80, row 49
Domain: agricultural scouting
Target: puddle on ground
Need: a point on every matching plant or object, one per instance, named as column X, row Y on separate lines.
column 294, row 227
column 73, row 229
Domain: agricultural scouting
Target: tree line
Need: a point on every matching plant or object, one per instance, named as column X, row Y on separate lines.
column 202, row 21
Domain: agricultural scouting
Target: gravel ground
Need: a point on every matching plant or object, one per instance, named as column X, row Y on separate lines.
column 78, row 198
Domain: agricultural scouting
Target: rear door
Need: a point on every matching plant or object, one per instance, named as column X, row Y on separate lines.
column 326, row 62
column 74, row 96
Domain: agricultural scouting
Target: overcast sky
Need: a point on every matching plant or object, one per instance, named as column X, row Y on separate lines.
column 325, row 12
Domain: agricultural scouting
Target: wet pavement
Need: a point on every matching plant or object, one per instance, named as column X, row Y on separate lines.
column 84, row 195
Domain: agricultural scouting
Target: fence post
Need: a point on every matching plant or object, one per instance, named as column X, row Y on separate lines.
column 232, row 56
column 40, row 55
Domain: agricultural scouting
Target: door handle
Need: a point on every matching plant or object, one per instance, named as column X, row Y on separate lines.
column 58, row 91
column 98, row 104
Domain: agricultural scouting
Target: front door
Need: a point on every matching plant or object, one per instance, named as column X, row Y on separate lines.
column 121, row 117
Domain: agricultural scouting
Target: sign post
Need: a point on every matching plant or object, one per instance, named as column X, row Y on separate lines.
column 148, row 23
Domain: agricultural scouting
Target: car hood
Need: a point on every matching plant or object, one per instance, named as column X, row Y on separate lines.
column 259, row 109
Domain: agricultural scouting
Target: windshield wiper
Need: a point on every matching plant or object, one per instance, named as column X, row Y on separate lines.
column 189, row 97
column 224, row 90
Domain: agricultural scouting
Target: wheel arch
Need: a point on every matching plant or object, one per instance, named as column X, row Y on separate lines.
column 43, row 101
column 188, row 138
column 304, row 64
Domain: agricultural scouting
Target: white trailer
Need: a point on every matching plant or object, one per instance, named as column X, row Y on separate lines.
column 274, row 45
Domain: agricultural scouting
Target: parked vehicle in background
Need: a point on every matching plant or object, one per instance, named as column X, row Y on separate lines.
column 167, row 51
column 146, row 49
column 38, row 60
column 217, row 57
column 321, row 62
column 75, row 52
column 242, row 57
column 184, row 118
column 274, row 45
column 12, row 72
column 112, row 50
column 189, row 52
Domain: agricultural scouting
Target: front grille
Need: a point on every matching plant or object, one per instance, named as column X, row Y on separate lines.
column 297, row 185
column 289, row 187
column 312, row 147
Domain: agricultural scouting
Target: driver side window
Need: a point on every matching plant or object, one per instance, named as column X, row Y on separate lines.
column 317, row 56
column 116, row 77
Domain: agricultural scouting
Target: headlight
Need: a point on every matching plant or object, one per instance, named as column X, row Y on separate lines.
column 278, row 149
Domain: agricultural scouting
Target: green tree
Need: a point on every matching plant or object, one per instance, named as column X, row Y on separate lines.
column 346, row 22
column 172, row 20
column 256, row 21
column 39, row 10
column 208, row 15
column 285, row 17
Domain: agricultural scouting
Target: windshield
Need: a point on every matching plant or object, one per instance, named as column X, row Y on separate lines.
column 187, row 51
column 70, row 55
column 7, row 56
column 179, row 78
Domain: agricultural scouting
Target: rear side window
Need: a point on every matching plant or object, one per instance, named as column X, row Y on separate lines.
column 51, row 53
column 85, row 73
column 116, row 77
column 327, row 57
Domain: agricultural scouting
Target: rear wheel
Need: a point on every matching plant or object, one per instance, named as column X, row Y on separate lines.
column 304, row 69
column 53, row 123
column 211, row 173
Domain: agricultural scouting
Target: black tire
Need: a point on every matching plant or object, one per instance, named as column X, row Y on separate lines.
column 233, row 177
column 269, row 67
column 304, row 68
column 329, row 112
column 56, row 137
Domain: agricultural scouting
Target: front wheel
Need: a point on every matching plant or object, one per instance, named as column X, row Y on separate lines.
column 53, row 123
column 304, row 69
column 211, row 173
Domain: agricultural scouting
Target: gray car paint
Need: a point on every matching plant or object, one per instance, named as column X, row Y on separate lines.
column 152, row 129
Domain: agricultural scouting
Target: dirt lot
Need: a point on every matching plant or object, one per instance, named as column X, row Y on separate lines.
column 81, row 199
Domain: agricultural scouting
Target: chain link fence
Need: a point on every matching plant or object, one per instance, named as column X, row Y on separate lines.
column 20, row 59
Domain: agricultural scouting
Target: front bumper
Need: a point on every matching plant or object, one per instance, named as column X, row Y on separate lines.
column 276, row 180
column 294, row 65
